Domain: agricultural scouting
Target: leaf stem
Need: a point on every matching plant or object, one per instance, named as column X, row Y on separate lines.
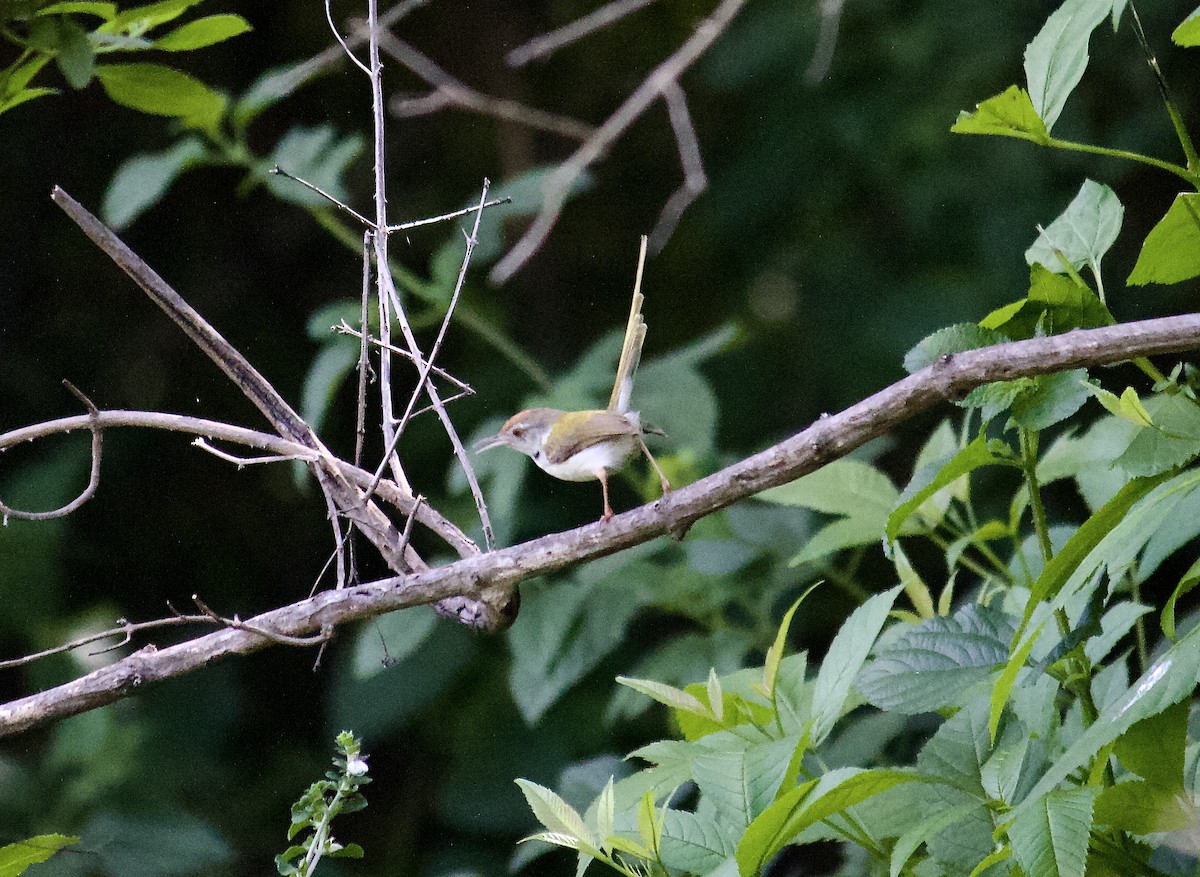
column 1192, row 178
column 1029, row 444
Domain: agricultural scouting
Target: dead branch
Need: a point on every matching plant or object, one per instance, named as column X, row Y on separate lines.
column 558, row 185
column 493, row 577
column 543, row 46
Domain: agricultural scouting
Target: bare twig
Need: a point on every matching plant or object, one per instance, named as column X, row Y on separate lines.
column 449, row 91
column 237, row 624
column 548, row 43
column 559, row 184
column 344, row 328
column 405, row 226
column 346, row 208
column 830, row 12
column 695, row 181
column 493, row 576
column 341, row 42
column 305, row 457
column 7, row 511
column 388, row 491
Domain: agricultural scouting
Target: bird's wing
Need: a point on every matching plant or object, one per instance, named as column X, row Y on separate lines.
column 582, row 429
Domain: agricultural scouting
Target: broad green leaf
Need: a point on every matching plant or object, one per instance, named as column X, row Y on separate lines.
column 928, row 827
column 317, row 155
column 143, row 18
column 1171, row 252
column 1010, row 114
column 1083, row 232
column 142, row 180
column 956, row 753
column 933, row 664
column 1057, row 57
column 1154, row 747
column 605, row 813
column 1051, row 399
column 389, row 640
column 837, row 536
column 846, row 656
column 203, row 32
column 16, row 857
column 75, row 57
column 950, row 340
column 694, row 844
column 1050, row 836
column 1142, row 807
column 1168, row 679
column 741, row 780
column 24, row 95
column 1172, row 440
column 1188, row 32
column 1127, row 406
column 806, row 805
column 553, row 812
column 272, row 86
column 1055, row 304
column 930, row 479
column 161, row 91
column 844, row 487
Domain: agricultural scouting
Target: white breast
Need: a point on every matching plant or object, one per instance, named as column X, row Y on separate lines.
column 608, row 455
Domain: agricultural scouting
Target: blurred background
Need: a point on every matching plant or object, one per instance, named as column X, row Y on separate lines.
column 843, row 222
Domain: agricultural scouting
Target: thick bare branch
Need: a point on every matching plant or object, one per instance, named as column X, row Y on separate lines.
column 493, row 576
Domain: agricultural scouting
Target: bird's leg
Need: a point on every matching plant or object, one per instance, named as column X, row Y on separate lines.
column 603, row 477
column 666, row 485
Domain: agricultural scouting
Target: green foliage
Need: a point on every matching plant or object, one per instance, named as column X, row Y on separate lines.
column 15, row 858
column 316, row 809
column 58, row 32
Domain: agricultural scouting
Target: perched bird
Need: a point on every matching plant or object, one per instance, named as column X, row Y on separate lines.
column 582, row 445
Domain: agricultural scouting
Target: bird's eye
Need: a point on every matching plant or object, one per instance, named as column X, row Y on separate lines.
column 518, row 432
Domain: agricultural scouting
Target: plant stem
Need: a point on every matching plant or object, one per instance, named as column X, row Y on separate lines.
column 1029, row 445
column 1192, row 178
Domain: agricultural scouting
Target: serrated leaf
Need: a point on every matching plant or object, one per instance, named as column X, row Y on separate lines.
column 740, row 780
column 1057, row 57
column 1050, row 837
column 931, row 665
column 693, row 844
column 667, row 695
column 1083, row 233
column 930, row 479
column 1050, row 399
column 846, row 656
column 553, row 812
column 908, row 842
column 1142, row 807
column 203, row 32
column 1171, row 252
column 1171, row 441
column 162, row 91
column 16, row 857
column 950, row 340
column 1154, row 747
column 844, row 487
column 1009, row 114
column 605, row 813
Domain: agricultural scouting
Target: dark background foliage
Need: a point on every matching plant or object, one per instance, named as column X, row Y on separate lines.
column 843, row 223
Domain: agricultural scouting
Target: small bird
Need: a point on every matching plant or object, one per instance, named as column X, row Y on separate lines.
column 582, row 445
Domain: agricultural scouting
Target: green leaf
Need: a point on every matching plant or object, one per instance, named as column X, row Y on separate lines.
column 161, row 91
column 143, row 18
column 930, row 479
column 553, row 812
column 1055, row 304
column 75, row 57
column 1051, row 399
column 806, row 805
column 740, row 782
column 1168, row 679
column 1057, row 57
column 950, row 340
column 694, row 844
column 667, row 695
column 317, row 155
column 83, row 7
column 1050, row 837
column 1127, row 406
column 844, row 487
column 1083, row 233
column 1172, row 440
column 203, row 32
column 845, row 658
column 142, row 180
column 928, row 827
column 1142, row 807
column 1171, row 252
column 153, row 846
column 24, row 95
column 16, row 857
column 1010, row 114
column 1154, row 747
column 1188, row 32
column 933, row 664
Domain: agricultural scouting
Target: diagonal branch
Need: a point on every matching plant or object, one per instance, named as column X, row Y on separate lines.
column 493, row 576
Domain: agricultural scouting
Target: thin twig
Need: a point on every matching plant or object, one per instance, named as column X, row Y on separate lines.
column 305, row 457
column 344, row 328
column 236, row 623
column 341, row 42
column 695, row 181
column 405, row 226
column 280, row 172
column 93, row 484
column 408, row 525
column 449, row 91
column 559, row 184
column 548, row 43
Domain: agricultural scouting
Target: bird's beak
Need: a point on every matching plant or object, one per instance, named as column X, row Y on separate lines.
column 492, row 441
